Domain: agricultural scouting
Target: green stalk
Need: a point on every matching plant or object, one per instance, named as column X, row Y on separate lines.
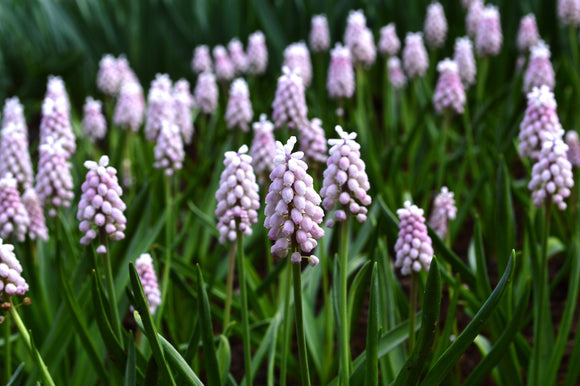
column 572, row 31
column 47, row 379
column 7, row 350
column 443, row 151
column 329, row 336
column 361, row 112
column 412, row 311
column 344, row 352
column 168, row 239
column 482, row 78
column 245, row 311
column 111, row 285
column 229, row 285
column 302, row 354
column 286, row 327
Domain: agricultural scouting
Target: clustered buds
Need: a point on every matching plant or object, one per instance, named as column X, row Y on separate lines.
column 474, row 12
column 237, row 196
column 297, row 57
column 101, row 208
column 109, row 77
column 238, row 56
column 168, row 150
column 293, row 211
column 146, row 272
column 263, row 148
column 389, row 43
column 130, row 107
column 359, row 39
column 55, row 123
column 37, row 228
column 396, row 75
column 319, row 34
column 239, row 111
column 289, row 104
column 540, row 71
column 340, row 81
column 345, row 179
column 489, row 37
column 313, row 141
column 569, row 12
column 160, row 106
column 182, row 104
column 206, row 93
column 14, row 220
column 528, row 35
column 573, row 148
column 14, row 154
column 11, row 280
column 449, row 95
column 54, row 184
column 201, row 61
column 415, row 59
column 13, row 113
column 444, row 209
column 224, row 68
column 413, row 247
column 257, row 53
column 435, row 27
column 463, row 56
column 94, row 124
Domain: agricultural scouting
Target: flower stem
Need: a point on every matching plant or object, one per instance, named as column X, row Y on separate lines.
column 229, row 285
column 286, row 327
column 412, row 310
column 443, row 151
column 304, row 373
column 344, row 351
column 572, row 31
column 481, row 79
column 245, row 311
column 7, row 349
column 111, row 285
column 47, row 379
column 168, row 239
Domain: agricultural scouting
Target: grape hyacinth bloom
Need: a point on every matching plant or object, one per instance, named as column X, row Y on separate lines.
column 573, row 148
column 55, row 89
column 37, row 228
column 109, row 78
column 552, row 173
column 444, row 209
column 130, row 108
column 94, row 124
column 319, row 34
column 101, row 208
column 389, row 43
column 313, row 141
column 297, row 57
column 224, row 68
column 239, row 111
column 489, row 38
column 345, row 179
column 15, row 156
column 55, row 123
column 206, row 93
column 201, row 61
column 293, row 211
column 14, row 220
column 539, row 71
column 11, row 280
column 257, row 53
column 289, row 106
column 340, row 82
column 569, row 12
column 435, row 27
column 473, row 17
column 54, row 185
column 359, row 39
column 14, row 113
column 168, row 151
column 415, row 59
column 182, row 105
column 449, row 95
column 238, row 56
column 160, row 106
column 463, row 57
column 146, row 272
column 263, row 148
column 396, row 75
column 540, row 118
column 413, row 247
column 237, row 196
column 528, row 35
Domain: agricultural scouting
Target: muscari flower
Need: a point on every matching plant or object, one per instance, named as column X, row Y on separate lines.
column 130, row 107
column 146, row 272
column 289, row 106
column 528, row 35
column 489, row 38
column 239, row 111
column 37, row 228
column 573, row 148
column 474, row 12
column 11, row 280
column 257, row 53
column 340, row 81
column 435, row 27
column 413, row 247
column 389, row 43
column 206, row 93
column 395, row 71
column 14, row 113
column 297, row 57
column 238, row 56
column 539, row 71
column 94, row 124
column 224, row 68
column 15, row 155
column 444, row 209
column 182, row 105
column 569, row 12
column 159, row 106
column 263, row 148
column 201, row 61
column 55, row 89
column 319, row 34
column 14, row 219
column 449, row 94
column 55, row 123
column 359, row 39
column 415, row 59
column 108, row 77
column 463, row 56
column 168, row 150
column 313, row 141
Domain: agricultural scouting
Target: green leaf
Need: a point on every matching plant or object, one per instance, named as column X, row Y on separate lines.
column 483, row 287
column 357, row 294
column 130, row 366
column 224, row 356
column 372, row 376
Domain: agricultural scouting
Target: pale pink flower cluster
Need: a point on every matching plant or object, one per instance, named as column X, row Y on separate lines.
column 389, row 43
column 289, row 106
column 340, row 82
column 224, row 68
column 395, row 71
column 413, row 247
column 449, row 95
column 263, row 148
column 15, row 155
column 55, row 89
column 37, row 228
column 539, row 71
column 435, row 26
column 573, row 148
column 54, row 185
column 168, row 151
column 313, row 141
column 14, row 113
column 94, row 124
column 319, row 34
column 109, row 78
column 528, row 35
column 237, row 56
column 489, row 37
column 345, row 179
column 569, row 12
column 297, row 58
column 359, row 39
column 444, row 209
column 237, row 196
column 159, row 106
column 14, row 220
column 182, row 105
column 257, row 53
column 101, row 208
column 146, row 272
column 130, row 108
column 415, row 59
column 206, row 93
column 201, row 61
column 474, row 12
column 463, row 56
column 11, row 280
column 55, row 123
column 293, row 211
column 239, row 111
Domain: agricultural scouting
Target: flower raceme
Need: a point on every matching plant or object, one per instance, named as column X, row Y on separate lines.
column 396, row 75
column 224, row 68
column 415, row 59
column 539, row 71
column 389, row 43
column 573, row 148
column 55, row 123
column 206, row 93
column 201, row 61
column 15, row 155
column 14, row 220
column 182, row 104
column 489, row 37
column 435, row 27
column 449, row 95
column 94, row 124
column 263, row 148
column 11, row 280
column 472, row 18
column 359, row 39
column 340, row 81
column 257, row 53
column 159, row 106
column 528, row 35
column 313, row 141
column 319, row 37
column 569, row 12
column 168, row 150
column 146, row 272
column 37, row 228
column 289, row 106
column 239, row 111
column 463, row 57
column 130, row 108
column 238, row 56
column 444, row 209
column 413, row 247
column 297, row 57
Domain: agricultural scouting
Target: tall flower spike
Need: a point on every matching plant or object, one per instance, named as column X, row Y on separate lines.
column 237, row 196
column 293, row 211
column 182, row 105
column 94, row 124
column 474, row 12
column 55, row 123
column 463, row 56
column 552, row 173
column 444, row 209
column 539, row 71
column 396, row 75
column 169, row 153
column 528, row 35
column 263, row 148
column 224, row 68
column 239, row 111
column 201, row 61
column 449, row 95
column 389, row 43
column 101, row 207
column 11, row 280
column 15, row 155
column 573, row 148
column 257, row 53
column 206, row 93
column 569, row 12
column 55, row 89
column 159, row 106
column 319, row 34
column 14, row 113
column 435, row 26
column 413, row 247
column 146, row 272
column 14, row 220
column 289, row 106
column 238, row 56
column 540, row 118
column 130, row 108
column 489, row 37
column 359, row 39
column 54, row 185
column 345, row 179
column 415, row 59
column 313, row 141
column 108, row 77
column 297, row 57
column 340, row 81
column 37, row 228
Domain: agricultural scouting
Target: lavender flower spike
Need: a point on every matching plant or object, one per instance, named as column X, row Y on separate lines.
column 15, row 155
column 206, row 93
column 474, row 12
column 201, row 61
column 319, row 34
column 146, row 272
column 463, row 56
column 101, row 207
column 169, row 153
column 11, row 281
column 14, row 220
column 130, row 108
column 396, row 75
column 293, row 211
column 569, row 12
column 55, row 123
column 37, row 228
column 160, row 106
column 313, row 141
column 449, row 94
column 289, row 104
column 359, row 39
column 540, row 71
column 435, row 27
column 528, row 35
column 389, row 43
column 109, row 78
column 413, row 247
column 573, row 148
column 239, row 111
column 14, row 113
column 263, row 148
column 415, row 59
column 238, row 56
column 444, row 209
column 257, row 53
column 182, row 105
column 94, row 124
column 345, row 179
column 489, row 37
column 340, row 81
column 297, row 57
column 237, row 196
column 224, row 68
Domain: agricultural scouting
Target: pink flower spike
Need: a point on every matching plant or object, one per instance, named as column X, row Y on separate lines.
column 289, row 106
column 389, row 43
column 182, row 105
column 239, row 111
column 569, row 12
column 146, row 272
column 539, row 71
column 130, row 108
column 319, row 34
column 257, row 53
column 168, row 150
column 573, row 148
column 201, row 61
column 297, row 57
column 206, row 93
column 528, row 35
column 444, row 209
column 159, row 106
column 263, row 148
column 474, row 13
column 489, row 37
column 340, row 81
column 224, row 68
column 449, row 95
column 15, row 155
column 14, row 220
column 11, row 280
column 413, row 247
column 415, row 59
column 396, row 75
column 37, row 228
column 313, row 141
column 463, row 56
column 94, row 124
column 435, row 27
column 359, row 39
column 238, row 56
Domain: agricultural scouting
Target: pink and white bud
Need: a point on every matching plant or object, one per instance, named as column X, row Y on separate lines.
column 15, row 155
column 340, row 82
column 130, row 108
column 55, row 123
column 146, row 272
column 14, row 220
column 168, row 150
column 539, row 71
column 444, row 209
column 224, row 68
column 474, row 13
column 319, row 34
column 463, row 57
column 313, row 141
column 413, row 247
column 449, row 95
column 569, row 12
column 396, row 75
column 109, row 78
column 14, row 113
column 435, row 26
column 238, row 56
column 389, row 43
column 415, row 59
column 56, row 89
column 206, row 93
column 257, row 53
column 289, row 106
column 201, row 61
column 263, row 148
column 489, row 37
column 573, row 148
column 94, row 124
column 297, row 57
column 182, row 105
column 528, row 35
column 37, row 228
column 239, row 111
column 159, row 106
column 359, row 39
column 11, row 280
